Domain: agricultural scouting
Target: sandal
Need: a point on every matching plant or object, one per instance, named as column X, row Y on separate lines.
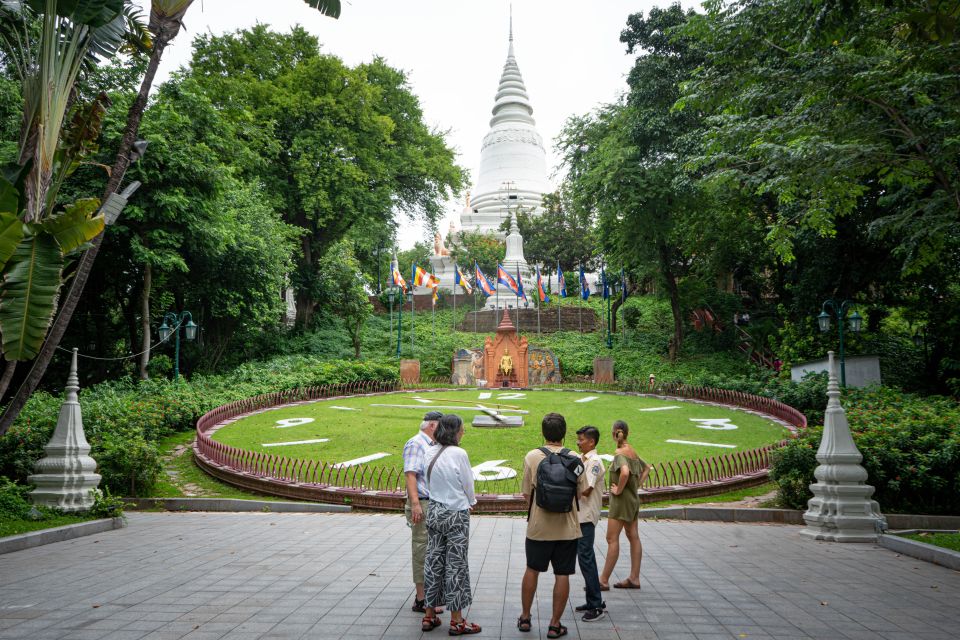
column 420, row 606
column 430, row 623
column 626, row 584
column 557, row 631
column 463, row 628
column 523, row 624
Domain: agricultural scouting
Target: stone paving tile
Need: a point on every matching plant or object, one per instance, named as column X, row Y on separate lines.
column 330, row 576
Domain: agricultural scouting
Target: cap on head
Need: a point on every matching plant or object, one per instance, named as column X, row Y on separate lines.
column 432, row 416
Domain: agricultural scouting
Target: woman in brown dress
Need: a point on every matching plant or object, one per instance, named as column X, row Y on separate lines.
column 627, row 473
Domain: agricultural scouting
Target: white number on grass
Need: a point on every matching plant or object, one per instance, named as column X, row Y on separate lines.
column 292, row 422
column 720, row 424
column 490, row 471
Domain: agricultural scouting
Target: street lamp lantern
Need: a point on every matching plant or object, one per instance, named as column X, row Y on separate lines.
column 856, row 321
column 824, row 320
column 190, row 330
column 164, row 331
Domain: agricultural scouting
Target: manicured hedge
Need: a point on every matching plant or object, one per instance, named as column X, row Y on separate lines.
column 910, row 446
column 123, row 420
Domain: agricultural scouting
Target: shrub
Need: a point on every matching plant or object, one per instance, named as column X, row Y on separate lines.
column 910, row 447
column 13, row 500
column 129, row 464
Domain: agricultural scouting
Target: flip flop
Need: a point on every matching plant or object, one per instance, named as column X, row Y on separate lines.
column 626, row 584
column 557, row 631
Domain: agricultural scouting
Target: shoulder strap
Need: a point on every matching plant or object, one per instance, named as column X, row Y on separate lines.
column 546, row 451
column 434, row 461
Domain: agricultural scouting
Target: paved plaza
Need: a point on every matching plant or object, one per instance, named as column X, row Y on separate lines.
column 323, row 576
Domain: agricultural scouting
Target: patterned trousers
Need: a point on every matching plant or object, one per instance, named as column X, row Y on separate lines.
column 446, row 572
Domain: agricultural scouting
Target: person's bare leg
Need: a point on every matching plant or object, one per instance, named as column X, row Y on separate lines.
column 420, row 594
column 613, row 550
column 527, row 590
column 561, row 593
column 636, row 551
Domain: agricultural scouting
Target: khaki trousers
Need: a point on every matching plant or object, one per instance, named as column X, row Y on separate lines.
column 418, row 539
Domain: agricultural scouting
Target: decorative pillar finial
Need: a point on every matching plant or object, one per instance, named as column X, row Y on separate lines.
column 511, row 22
column 65, row 476
column 841, row 509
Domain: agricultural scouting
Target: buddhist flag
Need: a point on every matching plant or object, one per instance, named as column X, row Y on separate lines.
column 436, row 294
column 543, row 294
column 520, row 285
column 507, row 280
column 422, row 278
column 461, row 280
column 483, row 282
column 561, row 281
column 584, row 287
column 398, row 280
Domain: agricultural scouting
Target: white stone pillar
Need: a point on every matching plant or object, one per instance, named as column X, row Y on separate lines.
column 65, row 476
column 841, row 509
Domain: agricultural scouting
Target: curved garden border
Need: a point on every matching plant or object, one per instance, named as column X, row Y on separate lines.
column 382, row 487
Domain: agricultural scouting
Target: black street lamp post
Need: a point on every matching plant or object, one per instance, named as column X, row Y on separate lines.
column 189, row 334
column 838, row 310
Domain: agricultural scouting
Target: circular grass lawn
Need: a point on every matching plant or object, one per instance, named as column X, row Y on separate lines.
column 354, row 431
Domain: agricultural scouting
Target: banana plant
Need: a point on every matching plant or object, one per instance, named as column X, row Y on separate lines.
column 37, row 237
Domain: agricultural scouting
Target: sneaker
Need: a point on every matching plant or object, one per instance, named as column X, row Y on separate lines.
column 593, row 615
column 586, row 607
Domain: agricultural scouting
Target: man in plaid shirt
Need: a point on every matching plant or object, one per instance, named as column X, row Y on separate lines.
column 418, row 497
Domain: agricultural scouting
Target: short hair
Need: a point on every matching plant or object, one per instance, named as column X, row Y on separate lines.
column 620, row 425
column 432, row 416
column 590, row 431
column 448, row 429
column 553, row 427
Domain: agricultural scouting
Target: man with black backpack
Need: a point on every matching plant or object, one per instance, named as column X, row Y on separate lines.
column 553, row 480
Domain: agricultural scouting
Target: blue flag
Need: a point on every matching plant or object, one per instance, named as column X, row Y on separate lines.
column 520, row 285
column 606, row 285
column 584, row 287
column 561, row 281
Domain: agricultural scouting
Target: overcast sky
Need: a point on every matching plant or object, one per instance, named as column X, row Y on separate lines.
column 453, row 51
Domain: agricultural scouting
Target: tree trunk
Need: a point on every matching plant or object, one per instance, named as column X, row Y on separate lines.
column 145, row 320
column 59, row 327
column 676, row 342
column 7, row 377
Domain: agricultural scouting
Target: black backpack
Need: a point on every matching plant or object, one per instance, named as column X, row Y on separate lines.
column 557, row 475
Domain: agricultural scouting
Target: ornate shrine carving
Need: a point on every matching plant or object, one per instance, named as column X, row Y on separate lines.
column 505, row 356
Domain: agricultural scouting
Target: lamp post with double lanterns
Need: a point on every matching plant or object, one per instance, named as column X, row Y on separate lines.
column 838, row 309
column 189, row 334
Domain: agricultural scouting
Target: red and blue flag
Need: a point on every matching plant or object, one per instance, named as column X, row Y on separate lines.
column 483, row 282
column 543, row 294
column 507, row 280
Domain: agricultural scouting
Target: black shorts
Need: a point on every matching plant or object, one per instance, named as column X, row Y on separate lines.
column 562, row 554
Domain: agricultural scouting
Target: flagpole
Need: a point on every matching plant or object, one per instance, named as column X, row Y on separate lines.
column 559, row 289
column 583, row 281
column 539, row 284
column 623, row 303
column 434, row 319
column 391, row 319
column 475, row 307
column 413, row 310
column 456, row 274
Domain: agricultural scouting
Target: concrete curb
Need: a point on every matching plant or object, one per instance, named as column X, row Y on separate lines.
column 59, row 534
column 922, row 551
column 895, row 521
column 724, row 514
column 233, row 504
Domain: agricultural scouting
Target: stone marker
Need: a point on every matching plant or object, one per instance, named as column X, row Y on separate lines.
column 602, row 370
column 65, row 476
column 410, row 371
column 841, row 509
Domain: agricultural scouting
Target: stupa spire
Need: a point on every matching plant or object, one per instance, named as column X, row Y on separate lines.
column 512, row 104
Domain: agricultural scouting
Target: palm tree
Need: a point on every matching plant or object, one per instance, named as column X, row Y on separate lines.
column 166, row 19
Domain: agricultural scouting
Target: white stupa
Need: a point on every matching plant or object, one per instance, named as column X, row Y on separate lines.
column 513, row 165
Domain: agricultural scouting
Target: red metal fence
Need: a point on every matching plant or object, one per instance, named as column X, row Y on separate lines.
column 382, row 486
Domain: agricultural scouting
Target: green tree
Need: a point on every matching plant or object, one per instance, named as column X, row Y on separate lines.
column 344, row 292
column 345, row 146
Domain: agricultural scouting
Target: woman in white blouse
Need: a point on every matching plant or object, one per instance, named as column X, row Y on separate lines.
column 446, row 573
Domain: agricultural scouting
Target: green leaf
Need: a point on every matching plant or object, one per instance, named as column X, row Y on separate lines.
column 11, row 233
column 94, row 13
column 326, row 7
column 76, row 225
column 28, row 295
column 9, row 197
